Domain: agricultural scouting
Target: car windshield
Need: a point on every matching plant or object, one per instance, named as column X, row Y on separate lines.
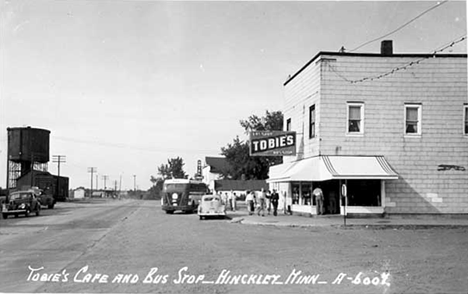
column 214, row 198
column 19, row 196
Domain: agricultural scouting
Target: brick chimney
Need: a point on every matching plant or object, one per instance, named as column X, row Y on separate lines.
column 386, row 48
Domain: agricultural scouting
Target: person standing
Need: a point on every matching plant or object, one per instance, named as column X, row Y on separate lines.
column 261, row 202
column 318, row 193
column 268, row 201
column 274, row 198
column 233, row 200
column 250, row 202
column 224, row 199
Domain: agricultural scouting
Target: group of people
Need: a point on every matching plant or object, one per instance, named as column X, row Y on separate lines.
column 263, row 200
column 260, row 201
column 229, row 200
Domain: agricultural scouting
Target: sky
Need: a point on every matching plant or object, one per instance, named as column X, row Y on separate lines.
column 123, row 86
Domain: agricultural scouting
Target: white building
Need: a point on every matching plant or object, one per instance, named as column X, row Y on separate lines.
column 212, row 170
column 78, row 193
column 392, row 127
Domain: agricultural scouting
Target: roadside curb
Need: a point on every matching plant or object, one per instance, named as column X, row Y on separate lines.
column 236, row 220
column 403, row 226
column 243, row 221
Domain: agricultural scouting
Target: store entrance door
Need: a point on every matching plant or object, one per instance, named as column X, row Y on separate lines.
column 331, row 195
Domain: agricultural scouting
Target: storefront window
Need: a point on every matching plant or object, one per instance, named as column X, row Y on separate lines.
column 301, row 193
column 364, row 192
column 295, row 193
column 306, row 193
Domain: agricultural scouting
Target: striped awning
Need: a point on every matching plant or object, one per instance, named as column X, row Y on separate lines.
column 323, row 168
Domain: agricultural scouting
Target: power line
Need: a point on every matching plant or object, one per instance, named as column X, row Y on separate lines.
column 402, row 26
column 133, row 147
column 58, row 159
column 403, row 67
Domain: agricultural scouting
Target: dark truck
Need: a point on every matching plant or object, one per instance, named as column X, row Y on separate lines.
column 45, row 197
column 46, row 200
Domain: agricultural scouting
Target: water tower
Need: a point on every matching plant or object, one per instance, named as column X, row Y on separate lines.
column 28, row 150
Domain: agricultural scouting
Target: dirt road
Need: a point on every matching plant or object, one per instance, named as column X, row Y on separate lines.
column 133, row 247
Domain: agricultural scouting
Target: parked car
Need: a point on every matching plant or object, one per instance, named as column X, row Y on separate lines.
column 211, row 206
column 22, row 202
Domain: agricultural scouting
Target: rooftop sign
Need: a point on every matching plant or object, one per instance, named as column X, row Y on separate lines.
column 272, row 143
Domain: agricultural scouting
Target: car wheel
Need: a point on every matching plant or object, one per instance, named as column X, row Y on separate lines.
column 169, row 211
column 38, row 211
column 26, row 214
column 16, row 215
column 201, row 217
column 50, row 206
column 4, row 215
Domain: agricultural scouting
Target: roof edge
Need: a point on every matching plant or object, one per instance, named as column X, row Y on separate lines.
column 416, row 55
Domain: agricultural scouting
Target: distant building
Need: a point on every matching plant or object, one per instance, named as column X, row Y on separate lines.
column 98, row 194
column 78, row 193
column 122, row 193
column 212, row 170
column 391, row 127
column 46, row 182
column 212, row 177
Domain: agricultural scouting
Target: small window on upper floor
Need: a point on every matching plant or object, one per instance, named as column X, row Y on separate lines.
column 413, row 119
column 465, row 119
column 355, row 118
column 312, row 122
column 288, row 124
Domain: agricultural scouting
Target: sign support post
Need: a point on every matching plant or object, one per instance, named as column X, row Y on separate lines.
column 345, row 200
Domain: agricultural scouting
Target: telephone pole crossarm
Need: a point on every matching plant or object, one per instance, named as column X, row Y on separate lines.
column 58, row 159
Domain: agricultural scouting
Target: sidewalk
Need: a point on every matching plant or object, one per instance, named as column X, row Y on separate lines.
column 283, row 220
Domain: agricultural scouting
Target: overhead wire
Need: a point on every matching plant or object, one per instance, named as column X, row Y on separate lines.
column 402, row 26
column 127, row 146
column 403, row 67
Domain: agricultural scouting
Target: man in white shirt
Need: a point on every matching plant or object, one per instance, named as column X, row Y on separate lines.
column 250, row 202
column 261, row 202
column 318, row 193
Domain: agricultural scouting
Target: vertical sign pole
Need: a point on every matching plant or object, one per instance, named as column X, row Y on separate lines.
column 345, row 200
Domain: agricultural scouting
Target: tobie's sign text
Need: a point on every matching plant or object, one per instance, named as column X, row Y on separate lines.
column 272, row 143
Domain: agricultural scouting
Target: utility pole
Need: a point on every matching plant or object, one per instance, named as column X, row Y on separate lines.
column 105, row 177
column 120, row 184
column 58, row 159
column 134, row 183
column 97, row 182
column 92, row 170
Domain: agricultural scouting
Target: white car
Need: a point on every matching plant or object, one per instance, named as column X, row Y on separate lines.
column 211, row 206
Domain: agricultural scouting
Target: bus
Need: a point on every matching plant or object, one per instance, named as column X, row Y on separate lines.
column 182, row 194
